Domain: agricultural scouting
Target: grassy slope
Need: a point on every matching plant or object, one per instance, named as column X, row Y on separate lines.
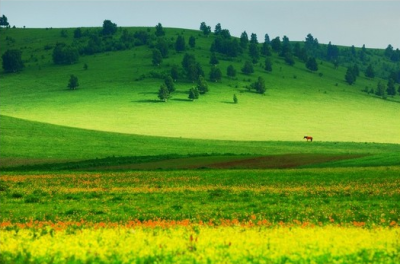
column 26, row 142
column 297, row 102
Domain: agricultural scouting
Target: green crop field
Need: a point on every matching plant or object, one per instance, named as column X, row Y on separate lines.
column 109, row 173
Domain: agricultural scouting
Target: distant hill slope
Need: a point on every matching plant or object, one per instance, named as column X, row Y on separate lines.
column 119, row 85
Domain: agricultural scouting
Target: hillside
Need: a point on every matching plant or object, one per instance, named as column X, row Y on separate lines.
column 118, row 92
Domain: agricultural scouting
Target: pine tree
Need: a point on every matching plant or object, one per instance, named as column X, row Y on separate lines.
column 169, row 82
column 73, row 82
column 202, row 85
column 193, row 93
column 163, row 93
column 350, row 77
column 268, row 64
column 391, row 90
column 312, row 64
column 230, row 71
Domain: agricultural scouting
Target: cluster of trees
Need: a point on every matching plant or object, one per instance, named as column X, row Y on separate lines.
column 12, row 61
column 4, row 21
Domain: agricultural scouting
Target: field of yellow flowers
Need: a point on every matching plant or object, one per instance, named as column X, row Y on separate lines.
column 213, row 216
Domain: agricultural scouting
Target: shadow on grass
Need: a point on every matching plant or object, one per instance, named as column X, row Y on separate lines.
column 228, row 102
column 181, row 100
column 148, row 101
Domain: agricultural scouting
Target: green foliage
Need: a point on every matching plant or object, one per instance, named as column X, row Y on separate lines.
column 215, row 74
column 63, row 54
column 248, row 68
column 380, row 90
column 350, row 77
column 369, row 72
column 73, row 82
column 193, row 93
column 4, row 21
column 12, row 61
column 159, row 30
column 254, row 52
column 244, row 40
column 235, row 99
column 169, row 82
column 202, row 85
column 157, row 57
column 213, row 59
column 312, row 64
column 180, row 43
column 206, row 29
column 230, row 71
column 259, row 85
column 268, row 64
column 109, row 28
column 163, row 93
column 192, row 42
column 391, row 90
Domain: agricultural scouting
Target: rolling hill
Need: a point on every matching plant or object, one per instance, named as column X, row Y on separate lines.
column 117, row 100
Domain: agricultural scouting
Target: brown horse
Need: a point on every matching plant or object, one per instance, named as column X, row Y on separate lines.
column 308, row 138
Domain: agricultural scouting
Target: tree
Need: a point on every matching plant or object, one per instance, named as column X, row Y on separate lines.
column 215, row 74
column 159, row 30
column 312, row 64
column 175, row 72
column 350, row 77
column 163, row 93
column 253, row 38
column 157, row 57
column 193, row 93
column 73, row 82
column 254, row 52
column 218, row 29
column 12, row 61
column 391, row 90
column 286, row 47
column 162, row 46
column 289, row 59
column 63, row 54
column 380, row 90
column 109, row 28
column 247, row 68
column 206, row 29
column 78, row 33
column 169, row 82
column 4, row 21
column 180, row 43
column 356, row 70
column 213, row 59
column 202, row 85
column 369, row 72
column 276, row 44
column 192, row 42
column 235, row 99
column 230, row 71
column 244, row 40
column 259, row 86
column 268, row 64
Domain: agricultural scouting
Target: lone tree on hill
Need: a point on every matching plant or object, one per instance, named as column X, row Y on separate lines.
column 193, row 93
column 12, row 61
column 73, row 82
column 163, row 93
column 109, row 28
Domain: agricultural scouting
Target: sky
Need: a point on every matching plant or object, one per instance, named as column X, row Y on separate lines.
column 375, row 24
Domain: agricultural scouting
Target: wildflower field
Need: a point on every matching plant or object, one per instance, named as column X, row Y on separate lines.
column 330, row 215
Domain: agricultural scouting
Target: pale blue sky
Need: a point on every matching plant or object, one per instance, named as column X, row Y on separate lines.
column 373, row 23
